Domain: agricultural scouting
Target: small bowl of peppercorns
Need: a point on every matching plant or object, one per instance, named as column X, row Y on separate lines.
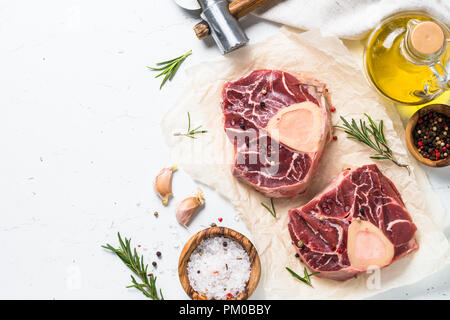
column 428, row 135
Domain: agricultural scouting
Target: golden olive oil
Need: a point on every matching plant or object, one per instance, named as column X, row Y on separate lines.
column 394, row 73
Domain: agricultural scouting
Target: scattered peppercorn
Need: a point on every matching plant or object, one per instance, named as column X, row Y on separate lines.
column 297, row 255
column 213, row 225
column 156, row 213
column 158, row 254
column 332, row 109
column 154, row 263
column 262, row 104
column 431, row 135
column 334, row 138
column 225, row 243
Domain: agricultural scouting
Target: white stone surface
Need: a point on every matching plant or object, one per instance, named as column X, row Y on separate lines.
column 81, row 145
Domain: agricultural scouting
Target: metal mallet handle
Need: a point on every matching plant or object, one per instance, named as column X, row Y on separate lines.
column 238, row 9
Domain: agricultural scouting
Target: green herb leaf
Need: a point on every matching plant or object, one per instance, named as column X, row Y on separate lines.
column 190, row 133
column 136, row 264
column 272, row 211
column 169, row 68
column 372, row 136
column 306, row 279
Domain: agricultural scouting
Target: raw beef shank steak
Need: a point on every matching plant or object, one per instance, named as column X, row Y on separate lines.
column 359, row 222
column 279, row 125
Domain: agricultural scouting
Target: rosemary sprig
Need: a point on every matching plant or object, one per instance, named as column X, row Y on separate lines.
column 190, row 133
column 136, row 264
column 169, row 67
column 372, row 136
column 272, row 211
column 306, row 278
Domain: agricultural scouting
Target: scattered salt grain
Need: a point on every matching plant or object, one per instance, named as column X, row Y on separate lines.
column 219, row 271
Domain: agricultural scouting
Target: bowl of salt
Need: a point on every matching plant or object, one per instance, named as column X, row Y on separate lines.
column 219, row 264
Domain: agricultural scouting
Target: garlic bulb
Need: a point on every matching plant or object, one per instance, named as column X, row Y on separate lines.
column 163, row 184
column 187, row 208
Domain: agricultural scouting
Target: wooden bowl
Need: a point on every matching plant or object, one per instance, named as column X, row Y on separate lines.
column 195, row 240
column 441, row 108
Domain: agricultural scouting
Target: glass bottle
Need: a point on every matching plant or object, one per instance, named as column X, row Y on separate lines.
column 406, row 58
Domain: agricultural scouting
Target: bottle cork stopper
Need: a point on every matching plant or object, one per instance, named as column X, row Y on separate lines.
column 427, row 37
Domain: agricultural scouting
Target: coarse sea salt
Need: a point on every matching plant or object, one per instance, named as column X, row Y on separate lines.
column 219, row 268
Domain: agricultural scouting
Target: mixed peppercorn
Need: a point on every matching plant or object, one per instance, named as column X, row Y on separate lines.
column 431, row 136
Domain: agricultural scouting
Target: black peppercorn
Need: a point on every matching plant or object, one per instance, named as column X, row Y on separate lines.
column 431, row 136
column 154, row 263
column 262, row 104
column 158, row 254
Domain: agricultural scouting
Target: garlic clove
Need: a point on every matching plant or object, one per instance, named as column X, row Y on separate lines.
column 163, row 184
column 188, row 207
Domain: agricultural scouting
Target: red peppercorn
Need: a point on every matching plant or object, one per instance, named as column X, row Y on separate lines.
column 419, row 121
column 229, row 295
column 334, row 138
column 332, row 109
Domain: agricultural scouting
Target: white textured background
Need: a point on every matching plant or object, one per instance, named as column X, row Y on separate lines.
column 80, row 146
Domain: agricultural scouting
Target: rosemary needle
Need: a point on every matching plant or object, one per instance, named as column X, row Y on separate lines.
column 306, row 279
column 169, row 68
column 136, row 264
column 190, row 133
column 272, row 211
column 372, row 136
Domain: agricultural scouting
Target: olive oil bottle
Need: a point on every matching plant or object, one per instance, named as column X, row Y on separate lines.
column 406, row 58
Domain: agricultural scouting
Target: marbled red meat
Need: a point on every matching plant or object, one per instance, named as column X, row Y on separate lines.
column 262, row 161
column 320, row 229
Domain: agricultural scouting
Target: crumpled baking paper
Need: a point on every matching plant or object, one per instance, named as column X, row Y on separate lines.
column 209, row 157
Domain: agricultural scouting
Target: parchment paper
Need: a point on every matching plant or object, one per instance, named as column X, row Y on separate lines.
column 208, row 158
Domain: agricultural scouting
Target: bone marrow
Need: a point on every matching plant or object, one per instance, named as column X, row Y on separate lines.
column 298, row 126
column 368, row 247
